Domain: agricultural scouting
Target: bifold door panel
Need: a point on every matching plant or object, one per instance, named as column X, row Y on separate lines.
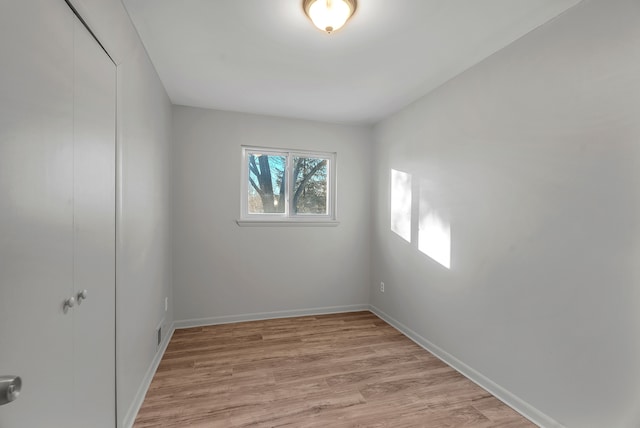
column 57, row 228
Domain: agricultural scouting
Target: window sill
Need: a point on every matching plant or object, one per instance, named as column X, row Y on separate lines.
column 287, row 223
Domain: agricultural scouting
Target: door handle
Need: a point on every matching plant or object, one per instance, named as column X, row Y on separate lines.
column 10, row 387
column 82, row 295
column 68, row 304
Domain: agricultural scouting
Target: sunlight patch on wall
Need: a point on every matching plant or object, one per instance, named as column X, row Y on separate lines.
column 401, row 204
column 434, row 233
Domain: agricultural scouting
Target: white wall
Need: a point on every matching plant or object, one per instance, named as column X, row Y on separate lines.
column 144, row 233
column 143, row 218
column 225, row 272
column 534, row 158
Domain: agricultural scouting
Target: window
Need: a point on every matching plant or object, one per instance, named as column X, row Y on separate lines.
column 285, row 186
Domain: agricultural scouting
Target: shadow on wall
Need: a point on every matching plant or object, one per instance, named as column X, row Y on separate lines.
column 434, row 229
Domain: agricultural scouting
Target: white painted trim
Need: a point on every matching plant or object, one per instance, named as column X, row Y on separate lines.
column 134, row 408
column 508, row 398
column 199, row 322
column 511, row 400
column 138, row 399
column 247, row 219
column 287, row 223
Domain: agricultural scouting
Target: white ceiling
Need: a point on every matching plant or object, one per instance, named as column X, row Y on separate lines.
column 265, row 57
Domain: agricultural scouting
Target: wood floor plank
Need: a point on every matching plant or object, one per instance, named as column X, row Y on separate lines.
column 339, row 371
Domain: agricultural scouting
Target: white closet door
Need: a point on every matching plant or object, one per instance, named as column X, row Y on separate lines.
column 94, row 233
column 36, row 237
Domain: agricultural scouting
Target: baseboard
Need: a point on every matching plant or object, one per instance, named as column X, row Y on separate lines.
column 511, row 400
column 199, row 322
column 131, row 414
column 130, row 417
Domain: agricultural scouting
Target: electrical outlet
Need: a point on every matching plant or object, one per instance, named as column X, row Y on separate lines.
column 382, row 287
column 166, row 304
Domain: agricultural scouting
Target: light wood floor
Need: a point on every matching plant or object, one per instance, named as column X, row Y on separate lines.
column 330, row 371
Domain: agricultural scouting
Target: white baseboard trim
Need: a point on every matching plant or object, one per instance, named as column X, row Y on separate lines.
column 134, row 408
column 131, row 414
column 511, row 400
column 199, row 322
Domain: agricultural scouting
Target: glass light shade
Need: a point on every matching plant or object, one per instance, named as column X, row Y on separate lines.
column 329, row 15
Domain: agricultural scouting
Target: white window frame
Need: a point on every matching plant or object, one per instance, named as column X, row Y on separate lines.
column 287, row 218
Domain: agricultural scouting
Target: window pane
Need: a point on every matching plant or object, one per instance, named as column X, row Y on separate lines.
column 310, row 189
column 266, row 183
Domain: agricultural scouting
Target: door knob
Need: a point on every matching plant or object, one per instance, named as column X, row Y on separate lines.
column 10, row 387
column 82, row 295
column 68, row 304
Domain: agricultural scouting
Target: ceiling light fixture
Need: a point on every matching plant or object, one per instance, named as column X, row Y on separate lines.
column 329, row 15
